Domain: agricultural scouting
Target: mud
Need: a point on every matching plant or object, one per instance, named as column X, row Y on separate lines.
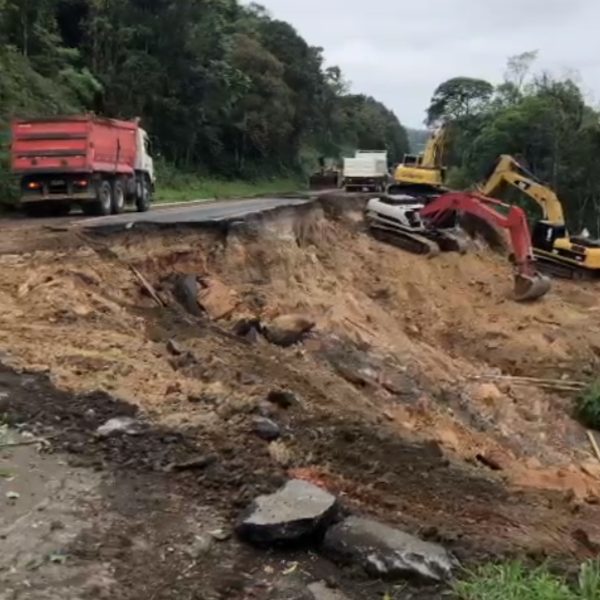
column 389, row 414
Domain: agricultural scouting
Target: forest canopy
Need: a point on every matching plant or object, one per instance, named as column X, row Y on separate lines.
column 543, row 121
column 222, row 88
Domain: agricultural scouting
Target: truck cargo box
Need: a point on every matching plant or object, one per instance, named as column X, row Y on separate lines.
column 81, row 144
column 365, row 166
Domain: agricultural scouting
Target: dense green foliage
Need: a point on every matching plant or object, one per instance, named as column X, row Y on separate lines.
column 222, row 88
column 588, row 406
column 542, row 120
column 513, row 581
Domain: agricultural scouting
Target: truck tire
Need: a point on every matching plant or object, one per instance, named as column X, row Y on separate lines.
column 102, row 206
column 143, row 198
column 118, row 198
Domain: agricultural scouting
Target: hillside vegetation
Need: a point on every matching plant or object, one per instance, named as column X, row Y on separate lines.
column 224, row 90
column 543, row 121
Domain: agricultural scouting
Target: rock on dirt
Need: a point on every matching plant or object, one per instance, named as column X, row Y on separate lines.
column 266, row 429
column 383, row 551
column 295, row 513
column 123, row 425
column 287, row 330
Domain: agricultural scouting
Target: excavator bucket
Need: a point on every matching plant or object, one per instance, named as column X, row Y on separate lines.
column 531, row 287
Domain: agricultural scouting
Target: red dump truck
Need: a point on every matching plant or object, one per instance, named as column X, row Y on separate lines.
column 97, row 163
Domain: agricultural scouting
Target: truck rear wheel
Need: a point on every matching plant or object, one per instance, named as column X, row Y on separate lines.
column 103, row 203
column 118, row 198
column 143, row 197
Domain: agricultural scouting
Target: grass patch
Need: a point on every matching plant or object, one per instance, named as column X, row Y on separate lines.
column 513, row 581
column 192, row 188
column 588, row 406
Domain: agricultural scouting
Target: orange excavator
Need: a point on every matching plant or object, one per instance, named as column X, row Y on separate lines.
column 420, row 229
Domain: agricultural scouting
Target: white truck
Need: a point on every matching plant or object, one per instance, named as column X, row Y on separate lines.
column 366, row 171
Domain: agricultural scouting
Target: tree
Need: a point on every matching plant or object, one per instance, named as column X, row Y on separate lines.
column 458, row 98
column 221, row 87
column 546, row 122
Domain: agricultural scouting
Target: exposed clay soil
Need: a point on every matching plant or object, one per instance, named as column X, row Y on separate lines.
column 390, row 413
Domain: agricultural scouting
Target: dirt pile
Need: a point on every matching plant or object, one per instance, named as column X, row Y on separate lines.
column 397, row 409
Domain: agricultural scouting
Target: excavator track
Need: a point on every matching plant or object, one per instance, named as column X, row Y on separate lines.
column 561, row 270
column 405, row 240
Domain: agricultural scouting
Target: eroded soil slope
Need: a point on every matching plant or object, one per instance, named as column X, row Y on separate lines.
column 397, row 412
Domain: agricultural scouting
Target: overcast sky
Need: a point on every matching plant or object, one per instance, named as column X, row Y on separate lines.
column 400, row 51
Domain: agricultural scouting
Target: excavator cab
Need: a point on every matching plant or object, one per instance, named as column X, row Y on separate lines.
column 545, row 235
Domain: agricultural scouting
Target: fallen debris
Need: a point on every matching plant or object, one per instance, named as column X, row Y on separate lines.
column 147, row 286
column 185, row 290
column 198, row 463
column 125, row 425
column 295, row 513
column 551, row 384
column 220, row 535
column 266, row 429
column 174, row 348
column 201, row 546
column 383, row 551
column 33, row 442
column 216, row 299
column 594, row 443
column 288, row 330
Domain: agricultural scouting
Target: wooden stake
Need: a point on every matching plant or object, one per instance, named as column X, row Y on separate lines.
column 594, row 443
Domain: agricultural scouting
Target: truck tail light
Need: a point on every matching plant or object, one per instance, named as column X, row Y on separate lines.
column 34, row 185
column 81, row 183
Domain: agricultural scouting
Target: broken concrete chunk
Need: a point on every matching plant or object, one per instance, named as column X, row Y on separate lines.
column 266, row 429
column 125, row 425
column 383, row 551
column 295, row 513
column 288, row 329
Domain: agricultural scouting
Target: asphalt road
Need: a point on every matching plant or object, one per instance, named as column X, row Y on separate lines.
column 191, row 213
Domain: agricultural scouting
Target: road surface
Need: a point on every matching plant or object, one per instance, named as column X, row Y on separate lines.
column 21, row 234
column 191, row 213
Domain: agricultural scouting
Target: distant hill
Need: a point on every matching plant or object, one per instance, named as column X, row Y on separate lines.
column 417, row 138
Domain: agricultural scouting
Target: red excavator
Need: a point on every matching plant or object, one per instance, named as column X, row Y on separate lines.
column 422, row 229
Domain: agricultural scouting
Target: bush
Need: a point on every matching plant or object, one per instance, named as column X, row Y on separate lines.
column 588, row 406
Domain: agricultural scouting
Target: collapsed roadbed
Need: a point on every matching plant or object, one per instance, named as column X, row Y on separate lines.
column 289, row 345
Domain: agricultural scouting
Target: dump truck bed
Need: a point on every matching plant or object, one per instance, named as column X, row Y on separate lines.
column 79, row 144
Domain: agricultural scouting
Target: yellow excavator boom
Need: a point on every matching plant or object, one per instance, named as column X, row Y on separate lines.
column 433, row 155
column 509, row 172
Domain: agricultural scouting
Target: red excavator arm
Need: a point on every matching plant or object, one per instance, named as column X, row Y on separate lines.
column 529, row 284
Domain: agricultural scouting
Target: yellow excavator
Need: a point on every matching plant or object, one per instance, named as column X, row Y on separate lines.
column 423, row 174
column 556, row 252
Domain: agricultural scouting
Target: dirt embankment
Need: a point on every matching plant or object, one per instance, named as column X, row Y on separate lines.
column 391, row 413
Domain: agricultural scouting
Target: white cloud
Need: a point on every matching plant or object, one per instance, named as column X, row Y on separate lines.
column 399, row 52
